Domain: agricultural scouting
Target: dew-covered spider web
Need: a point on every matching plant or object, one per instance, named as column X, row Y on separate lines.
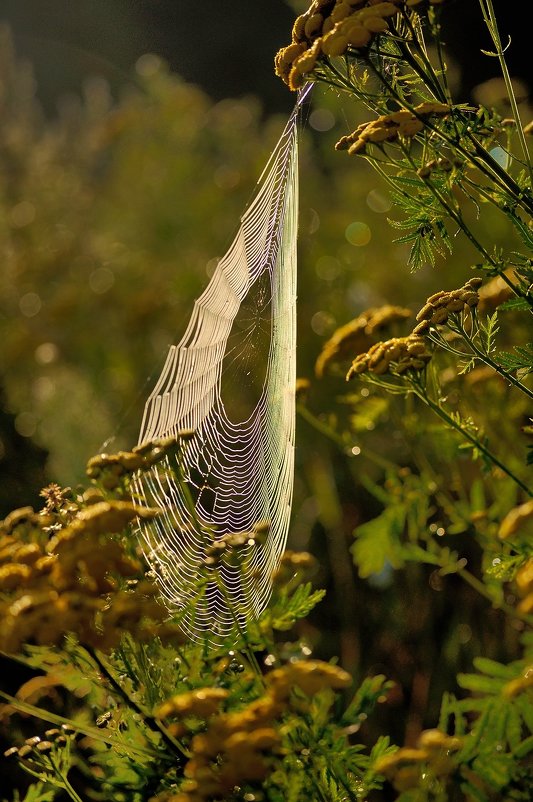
column 230, row 380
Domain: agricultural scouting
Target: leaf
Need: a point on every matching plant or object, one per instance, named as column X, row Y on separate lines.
column 377, row 541
column 521, row 359
column 515, row 305
column 366, row 698
column 488, row 330
column 480, row 684
column 36, row 792
column 494, row 669
column 496, row 769
column 524, row 748
column 525, row 232
column 286, row 611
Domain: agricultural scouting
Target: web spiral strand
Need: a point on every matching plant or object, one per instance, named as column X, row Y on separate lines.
column 233, row 473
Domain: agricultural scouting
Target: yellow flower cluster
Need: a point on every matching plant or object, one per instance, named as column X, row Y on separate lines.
column 358, row 334
column 239, row 747
column 404, row 768
column 235, row 748
column 110, row 469
column 200, row 703
column 231, row 547
column 387, row 128
column 395, row 356
column 310, row 676
column 73, row 581
column 438, row 307
column 329, row 28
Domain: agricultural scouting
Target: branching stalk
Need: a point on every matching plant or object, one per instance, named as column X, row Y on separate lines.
column 420, row 392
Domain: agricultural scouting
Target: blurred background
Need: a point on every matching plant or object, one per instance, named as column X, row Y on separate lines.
column 131, row 136
column 132, row 133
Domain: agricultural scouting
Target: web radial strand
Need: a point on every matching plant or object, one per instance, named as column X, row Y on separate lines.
column 237, row 468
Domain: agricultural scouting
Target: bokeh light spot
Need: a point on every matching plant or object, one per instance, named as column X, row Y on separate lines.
column 322, row 323
column 147, row 65
column 501, row 156
column 358, row 234
column 30, row 304
column 22, row 214
column 26, row 424
column 321, row 120
column 378, row 201
column 44, row 388
column 101, row 280
column 46, row 353
column 328, row 268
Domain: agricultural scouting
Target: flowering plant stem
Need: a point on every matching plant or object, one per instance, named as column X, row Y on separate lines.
column 484, row 161
column 332, row 435
column 483, row 356
column 152, row 723
column 489, row 17
column 421, row 393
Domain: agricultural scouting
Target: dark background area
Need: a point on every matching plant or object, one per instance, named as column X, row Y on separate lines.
column 225, row 47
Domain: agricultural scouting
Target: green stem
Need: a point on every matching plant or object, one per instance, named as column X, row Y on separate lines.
column 505, row 179
column 92, row 732
column 344, row 82
column 477, row 585
column 487, row 9
column 488, row 166
column 420, row 393
column 66, row 784
column 484, row 357
column 152, row 723
column 332, row 435
column 482, row 589
column 457, row 218
column 241, row 630
column 428, row 74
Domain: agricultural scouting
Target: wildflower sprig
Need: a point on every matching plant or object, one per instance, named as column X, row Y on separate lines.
column 399, row 366
column 48, row 759
column 435, row 155
column 186, row 720
column 456, row 311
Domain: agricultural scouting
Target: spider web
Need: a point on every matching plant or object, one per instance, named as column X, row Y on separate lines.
column 231, row 381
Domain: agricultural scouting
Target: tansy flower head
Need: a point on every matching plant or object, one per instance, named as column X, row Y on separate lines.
column 440, row 305
column 359, row 334
column 328, row 29
column 395, row 356
column 389, row 127
column 200, row 703
column 310, row 676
